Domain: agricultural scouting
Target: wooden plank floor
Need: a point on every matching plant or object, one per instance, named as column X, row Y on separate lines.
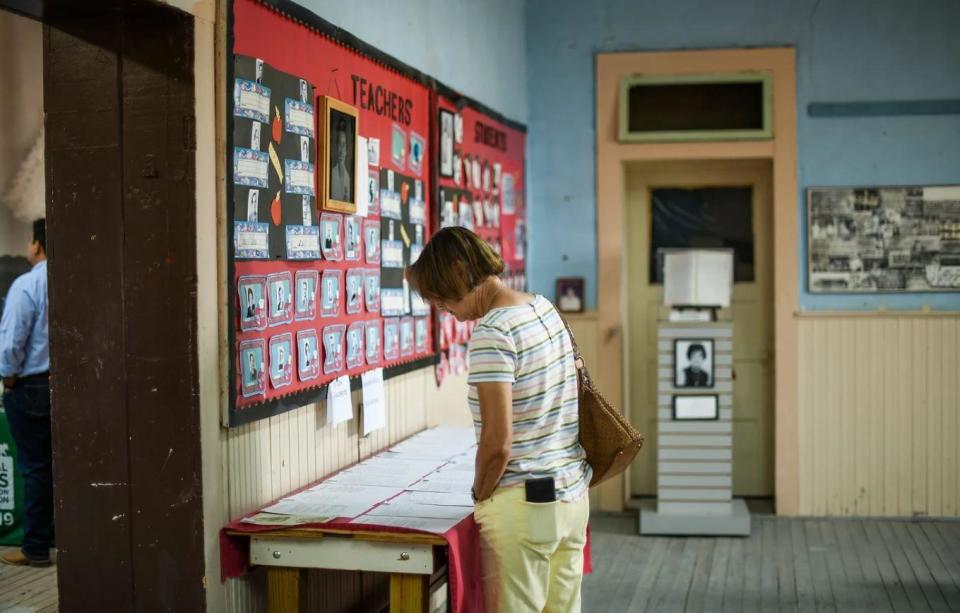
column 796, row 565
column 26, row 589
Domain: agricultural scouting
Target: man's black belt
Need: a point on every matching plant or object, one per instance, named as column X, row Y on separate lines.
column 40, row 376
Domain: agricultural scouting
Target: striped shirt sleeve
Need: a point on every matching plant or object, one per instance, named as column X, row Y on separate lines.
column 493, row 356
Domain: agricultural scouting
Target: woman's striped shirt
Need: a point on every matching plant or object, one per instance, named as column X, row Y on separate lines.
column 528, row 346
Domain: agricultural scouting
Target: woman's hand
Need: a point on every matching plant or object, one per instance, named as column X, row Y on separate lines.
column 496, row 436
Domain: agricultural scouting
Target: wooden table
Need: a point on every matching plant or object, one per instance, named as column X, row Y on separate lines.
column 415, row 562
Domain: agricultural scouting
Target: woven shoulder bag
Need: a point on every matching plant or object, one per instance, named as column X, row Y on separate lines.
column 609, row 440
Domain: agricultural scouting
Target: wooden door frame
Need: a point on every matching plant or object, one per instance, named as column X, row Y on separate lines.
column 612, row 158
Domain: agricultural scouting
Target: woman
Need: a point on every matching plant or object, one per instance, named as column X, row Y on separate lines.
column 523, row 397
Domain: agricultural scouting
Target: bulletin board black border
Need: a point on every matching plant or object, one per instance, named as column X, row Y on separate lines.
column 308, row 18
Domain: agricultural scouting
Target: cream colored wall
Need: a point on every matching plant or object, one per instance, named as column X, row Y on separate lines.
column 21, row 106
column 878, row 414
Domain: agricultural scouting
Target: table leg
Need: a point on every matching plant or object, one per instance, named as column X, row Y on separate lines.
column 283, row 590
column 409, row 593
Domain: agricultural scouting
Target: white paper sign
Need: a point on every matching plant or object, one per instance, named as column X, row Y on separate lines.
column 374, row 411
column 339, row 407
column 362, row 189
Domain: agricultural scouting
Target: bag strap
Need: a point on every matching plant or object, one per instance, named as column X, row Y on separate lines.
column 578, row 360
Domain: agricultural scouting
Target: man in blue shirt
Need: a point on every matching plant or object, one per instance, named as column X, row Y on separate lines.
column 25, row 368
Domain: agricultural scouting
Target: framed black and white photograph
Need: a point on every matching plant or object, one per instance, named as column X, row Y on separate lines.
column 693, row 362
column 883, row 239
column 570, row 294
column 339, row 159
column 696, row 408
column 446, row 143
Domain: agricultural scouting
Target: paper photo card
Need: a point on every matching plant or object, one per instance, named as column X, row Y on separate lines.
column 406, row 337
column 355, row 342
column 353, row 241
column 279, row 298
column 391, row 338
column 306, row 304
column 371, row 289
column 371, row 240
column 355, row 282
column 330, row 293
column 303, row 242
column 252, row 293
column 252, row 371
column 281, row 360
column 373, row 192
column 308, row 355
column 333, row 348
column 331, row 243
column 422, row 327
column 417, row 151
column 372, row 330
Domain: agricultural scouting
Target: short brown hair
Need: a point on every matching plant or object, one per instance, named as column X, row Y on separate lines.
column 453, row 263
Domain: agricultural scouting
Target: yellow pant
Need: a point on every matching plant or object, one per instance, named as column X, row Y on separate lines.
column 531, row 553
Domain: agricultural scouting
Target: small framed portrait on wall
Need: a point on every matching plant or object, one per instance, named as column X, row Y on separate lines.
column 330, row 293
column 372, row 329
column 253, row 305
column 340, row 125
column 308, row 355
column 280, row 296
column 693, row 362
column 355, row 337
column 696, row 408
column 253, row 380
column 333, row 348
column 281, row 360
column 446, row 143
column 306, row 282
column 570, row 294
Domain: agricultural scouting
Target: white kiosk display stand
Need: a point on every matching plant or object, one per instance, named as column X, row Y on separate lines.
column 695, row 402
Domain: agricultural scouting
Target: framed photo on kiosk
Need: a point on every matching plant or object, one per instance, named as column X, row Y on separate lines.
column 570, row 294
column 337, row 176
column 693, row 362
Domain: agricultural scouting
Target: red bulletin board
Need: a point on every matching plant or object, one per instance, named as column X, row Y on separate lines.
column 482, row 174
column 387, row 100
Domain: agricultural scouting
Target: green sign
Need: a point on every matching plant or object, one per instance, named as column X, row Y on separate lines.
column 11, row 488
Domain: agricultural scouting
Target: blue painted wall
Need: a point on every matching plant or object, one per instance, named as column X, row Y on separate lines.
column 847, row 50
column 475, row 46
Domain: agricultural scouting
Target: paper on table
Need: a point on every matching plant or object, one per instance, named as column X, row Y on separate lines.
column 316, row 509
column 374, row 411
column 273, row 519
column 404, row 508
column 339, row 407
column 443, row 483
column 443, row 499
column 361, row 189
column 434, row 525
column 381, row 474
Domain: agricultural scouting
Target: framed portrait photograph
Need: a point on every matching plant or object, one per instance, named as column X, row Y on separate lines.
column 253, row 378
column 338, row 168
column 693, row 362
column 333, row 348
column 570, row 294
column 391, row 338
column 355, row 335
column 371, row 240
column 446, row 143
column 308, row 355
column 251, row 289
column 330, row 242
column 330, row 293
column 407, row 340
column 417, row 151
column 372, row 330
column 306, row 284
column 422, row 327
column 371, row 290
column 281, row 360
column 280, row 298
column 696, row 408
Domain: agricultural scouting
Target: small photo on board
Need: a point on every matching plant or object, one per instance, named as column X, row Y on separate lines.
column 373, row 193
column 308, row 355
column 330, row 293
column 352, row 239
column 253, row 378
column 391, row 338
column 373, row 151
column 371, row 289
column 570, row 294
column 355, row 334
column 253, row 302
column 355, row 290
column 333, row 348
column 407, row 340
column 417, row 149
column 446, row 143
column 422, row 327
column 371, row 240
column 339, row 155
column 398, row 147
column 330, row 242
column 372, row 329
column 693, row 362
column 281, row 360
column 280, row 298
column 306, row 282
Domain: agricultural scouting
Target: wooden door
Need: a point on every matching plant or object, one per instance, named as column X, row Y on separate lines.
column 752, row 311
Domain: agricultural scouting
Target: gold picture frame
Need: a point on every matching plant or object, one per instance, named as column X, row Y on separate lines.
column 336, row 177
